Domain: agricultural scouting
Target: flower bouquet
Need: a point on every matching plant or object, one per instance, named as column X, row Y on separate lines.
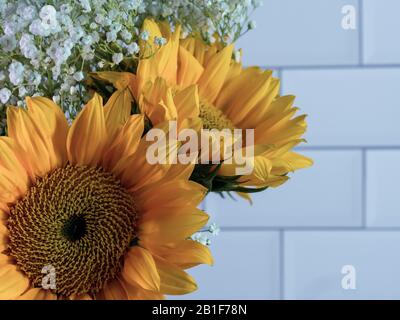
column 118, row 118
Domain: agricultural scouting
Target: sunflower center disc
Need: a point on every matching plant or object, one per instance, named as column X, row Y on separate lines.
column 214, row 118
column 78, row 220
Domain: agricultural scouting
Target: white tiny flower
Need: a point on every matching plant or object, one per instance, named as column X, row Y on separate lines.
column 111, row 36
column 160, row 41
column 237, row 55
column 56, row 99
column 22, row 92
column 72, row 91
column 8, row 43
column 117, row 58
column 2, row 76
column 65, row 8
column 27, row 13
column 100, row 64
column 99, row 19
column 85, row 5
column 126, row 35
column 133, row 48
column 27, row 46
column 252, row 25
column 145, row 35
column 214, row 229
column 48, row 13
column 5, row 95
column 78, row 76
column 16, row 72
column 38, row 28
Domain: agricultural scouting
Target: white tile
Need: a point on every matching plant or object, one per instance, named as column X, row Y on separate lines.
column 307, row 32
column 313, row 263
column 246, row 267
column 383, row 205
column 348, row 107
column 327, row 194
column 381, row 25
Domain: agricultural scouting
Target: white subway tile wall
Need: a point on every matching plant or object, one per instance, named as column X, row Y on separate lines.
column 333, row 231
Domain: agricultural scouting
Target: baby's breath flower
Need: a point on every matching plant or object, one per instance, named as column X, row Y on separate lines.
column 160, row 41
column 16, row 72
column 117, row 58
column 214, row 229
column 145, row 35
column 5, row 95
column 133, row 48
column 41, row 40
column 252, row 25
column 78, row 76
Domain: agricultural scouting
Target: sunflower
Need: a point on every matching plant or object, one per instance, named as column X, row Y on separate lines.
column 230, row 97
column 82, row 200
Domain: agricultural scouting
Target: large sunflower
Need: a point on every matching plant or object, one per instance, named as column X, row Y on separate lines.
column 84, row 202
column 230, row 97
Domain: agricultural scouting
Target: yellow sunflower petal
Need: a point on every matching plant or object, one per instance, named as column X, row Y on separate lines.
column 189, row 68
column 87, row 136
column 12, row 282
column 14, row 179
column 117, row 111
column 32, row 142
column 113, row 290
column 136, row 293
column 120, row 80
column 3, row 237
column 163, row 226
column 136, row 171
column 4, row 212
column 52, row 125
column 125, row 144
column 290, row 162
column 179, row 172
column 159, row 61
column 214, row 74
column 240, row 95
column 157, row 102
column 196, row 47
column 174, row 281
column 4, row 259
column 148, row 47
column 37, row 294
column 185, row 254
column 80, row 297
column 187, row 102
column 140, row 269
column 245, row 196
column 159, row 195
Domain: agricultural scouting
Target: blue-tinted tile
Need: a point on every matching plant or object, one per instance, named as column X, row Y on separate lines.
column 307, row 32
column 314, row 261
column 348, row 107
column 381, row 25
column 327, row 194
column 246, row 267
column 383, row 205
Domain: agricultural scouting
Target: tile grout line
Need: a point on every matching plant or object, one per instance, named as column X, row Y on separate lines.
column 309, row 229
column 346, row 148
column 360, row 33
column 279, row 75
column 364, row 188
column 282, row 264
column 355, row 66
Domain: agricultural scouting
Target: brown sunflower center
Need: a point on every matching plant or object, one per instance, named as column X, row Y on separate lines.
column 213, row 118
column 78, row 220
